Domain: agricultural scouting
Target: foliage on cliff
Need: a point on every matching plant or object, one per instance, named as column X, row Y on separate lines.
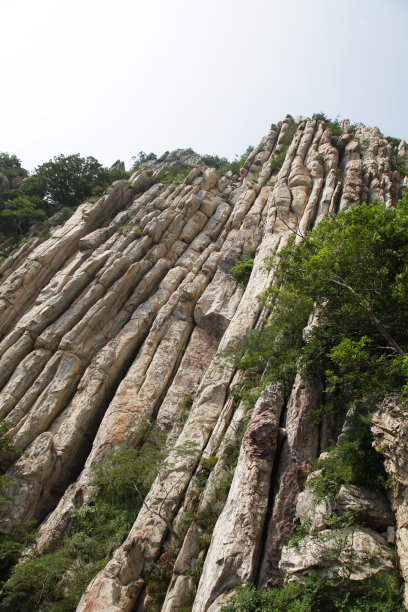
column 351, row 271
column 378, row 593
column 353, row 268
column 56, row 579
column 61, row 183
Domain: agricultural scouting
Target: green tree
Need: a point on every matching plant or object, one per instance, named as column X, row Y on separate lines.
column 20, row 213
column 214, row 161
column 354, row 269
column 9, row 161
column 35, row 185
column 106, row 178
column 70, row 179
column 141, row 158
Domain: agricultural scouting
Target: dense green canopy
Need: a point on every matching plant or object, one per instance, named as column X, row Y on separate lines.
column 353, row 268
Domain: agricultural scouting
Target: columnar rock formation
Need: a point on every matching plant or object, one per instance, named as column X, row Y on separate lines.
column 127, row 311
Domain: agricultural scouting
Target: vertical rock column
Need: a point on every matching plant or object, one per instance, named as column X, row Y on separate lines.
column 232, row 558
column 390, row 430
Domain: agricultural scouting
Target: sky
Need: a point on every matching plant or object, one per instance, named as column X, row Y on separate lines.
column 112, row 78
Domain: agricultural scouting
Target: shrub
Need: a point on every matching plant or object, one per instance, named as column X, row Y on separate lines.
column 334, row 125
column 58, row 578
column 378, row 593
column 214, row 161
column 137, row 230
column 189, row 401
column 352, row 461
column 9, row 161
column 393, row 141
column 172, row 175
column 277, row 162
column 243, row 268
column 142, row 158
column 12, row 544
column 402, row 164
column 275, row 350
column 234, row 166
column 300, row 533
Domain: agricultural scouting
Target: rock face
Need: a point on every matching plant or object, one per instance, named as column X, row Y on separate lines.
column 390, row 438
column 128, row 314
column 233, row 556
column 343, row 537
column 331, row 552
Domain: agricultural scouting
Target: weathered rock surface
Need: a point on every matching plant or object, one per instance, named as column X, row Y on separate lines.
column 234, row 551
column 128, row 313
column 390, row 430
column 352, row 553
column 365, row 505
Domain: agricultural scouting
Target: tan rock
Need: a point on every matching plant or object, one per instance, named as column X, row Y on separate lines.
column 332, row 553
column 235, row 546
column 113, row 320
column 297, row 460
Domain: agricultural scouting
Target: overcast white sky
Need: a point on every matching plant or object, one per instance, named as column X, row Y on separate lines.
column 109, row 78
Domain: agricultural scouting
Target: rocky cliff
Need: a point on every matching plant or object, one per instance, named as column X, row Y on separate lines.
column 127, row 317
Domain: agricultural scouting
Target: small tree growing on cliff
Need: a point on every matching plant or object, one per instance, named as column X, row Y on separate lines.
column 69, row 179
column 354, row 268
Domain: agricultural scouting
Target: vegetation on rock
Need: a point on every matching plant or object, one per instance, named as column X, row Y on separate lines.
column 243, row 267
column 353, row 268
column 142, row 158
column 56, row 579
column 222, row 164
column 351, row 271
column 352, row 461
column 378, row 593
column 277, row 162
column 58, row 185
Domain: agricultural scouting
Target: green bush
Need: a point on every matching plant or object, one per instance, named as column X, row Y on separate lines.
column 234, row 166
column 275, row 350
column 277, row 162
column 137, row 230
column 334, row 125
column 393, row 141
column 214, row 161
column 11, row 546
column 351, row 461
column 157, row 580
column 172, row 175
column 9, row 161
column 378, row 593
column 300, row 533
column 402, row 164
column 57, row 579
column 142, row 158
column 8, row 452
column 243, row 268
